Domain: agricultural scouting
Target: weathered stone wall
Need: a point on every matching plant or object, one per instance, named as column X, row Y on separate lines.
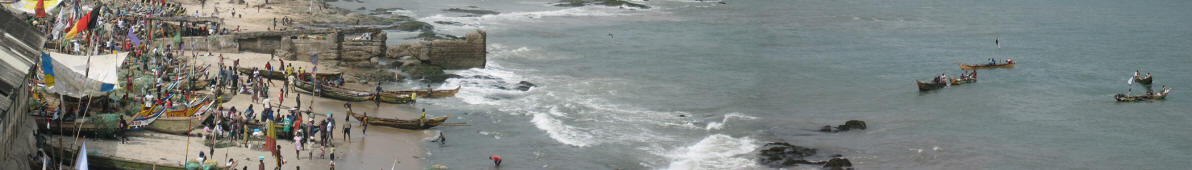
column 265, row 44
column 327, row 49
column 450, row 54
column 361, row 53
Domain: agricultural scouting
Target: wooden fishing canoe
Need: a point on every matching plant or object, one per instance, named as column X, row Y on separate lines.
column 334, row 92
column 402, row 124
column 429, row 93
column 985, row 66
column 183, row 121
column 1145, row 97
column 959, row 81
column 925, row 86
column 393, row 97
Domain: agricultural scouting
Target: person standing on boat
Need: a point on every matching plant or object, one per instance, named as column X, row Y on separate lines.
column 992, row 62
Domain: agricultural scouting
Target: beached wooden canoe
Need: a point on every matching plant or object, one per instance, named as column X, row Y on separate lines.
column 985, row 66
column 393, row 97
column 429, row 93
column 402, row 124
column 1144, row 80
column 281, row 74
column 334, row 92
column 185, row 120
column 925, row 86
column 1145, row 97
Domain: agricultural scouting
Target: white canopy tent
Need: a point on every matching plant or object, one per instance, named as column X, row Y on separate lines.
column 69, row 71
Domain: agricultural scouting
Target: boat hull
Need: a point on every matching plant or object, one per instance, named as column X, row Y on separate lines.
column 402, row 124
column 334, row 93
column 985, row 66
column 924, row 86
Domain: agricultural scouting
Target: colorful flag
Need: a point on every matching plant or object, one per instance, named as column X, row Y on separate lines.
column 47, row 67
column 79, row 26
column 40, row 9
column 132, row 36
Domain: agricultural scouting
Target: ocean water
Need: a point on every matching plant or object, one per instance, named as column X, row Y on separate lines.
column 701, row 85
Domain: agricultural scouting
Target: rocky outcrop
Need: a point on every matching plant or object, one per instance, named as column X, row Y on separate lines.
column 525, row 85
column 848, row 125
column 782, row 154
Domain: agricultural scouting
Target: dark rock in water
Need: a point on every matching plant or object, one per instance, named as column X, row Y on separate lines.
column 782, row 154
column 848, row 125
column 682, row 115
column 361, row 8
column 525, row 86
column 431, row 73
column 852, row 124
column 838, row 162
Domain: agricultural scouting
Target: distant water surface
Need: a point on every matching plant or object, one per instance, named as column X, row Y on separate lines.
column 746, row 73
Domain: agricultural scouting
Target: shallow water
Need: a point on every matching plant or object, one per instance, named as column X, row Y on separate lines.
column 749, row 72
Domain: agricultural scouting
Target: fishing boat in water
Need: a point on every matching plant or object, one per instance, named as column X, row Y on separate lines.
column 1008, row 64
column 962, row 81
column 401, row 124
column 1145, row 97
column 930, row 85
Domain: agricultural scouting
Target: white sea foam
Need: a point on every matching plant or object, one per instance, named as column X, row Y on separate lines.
column 564, row 134
column 720, row 125
column 468, row 23
column 717, row 151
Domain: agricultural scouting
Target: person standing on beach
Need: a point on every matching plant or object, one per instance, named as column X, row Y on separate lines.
column 277, row 156
column 347, row 131
column 298, row 146
column 123, row 126
column 377, row 97
column 364, row 124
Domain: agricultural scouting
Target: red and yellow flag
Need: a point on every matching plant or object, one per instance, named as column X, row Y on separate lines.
column 79, row 26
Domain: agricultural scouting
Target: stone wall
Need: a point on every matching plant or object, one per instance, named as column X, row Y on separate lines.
column 362, row 53
column 450, row 54
column 303, row 48
column 265, row 45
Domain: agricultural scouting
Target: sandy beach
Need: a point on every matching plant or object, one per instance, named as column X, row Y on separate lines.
column 384, row 147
